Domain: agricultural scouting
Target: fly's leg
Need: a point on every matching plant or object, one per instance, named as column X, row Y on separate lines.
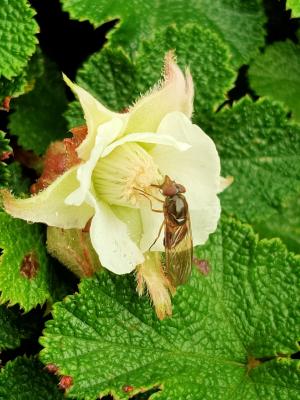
column 159, row 232
column 148, row 195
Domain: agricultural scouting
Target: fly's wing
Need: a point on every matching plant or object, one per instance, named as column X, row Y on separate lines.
column 179, row 252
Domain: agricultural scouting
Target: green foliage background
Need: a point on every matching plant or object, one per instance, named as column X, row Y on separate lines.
column 235, row 332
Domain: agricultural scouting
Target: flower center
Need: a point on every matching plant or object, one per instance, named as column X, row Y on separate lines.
column 123, row 176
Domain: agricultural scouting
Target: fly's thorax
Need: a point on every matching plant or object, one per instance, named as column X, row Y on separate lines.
column 176, row 209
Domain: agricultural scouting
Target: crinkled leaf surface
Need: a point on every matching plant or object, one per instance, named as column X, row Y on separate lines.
column 294, row 5
column 13, row 87
column 25, row 81
column 239, row 23
column 17, row 36
column 4, row 148
column 74, row 115
column 17, row 181
column 111, row 76
column 114, row 79
column 4, row 144
column 245, row 309
column 18, row 240
column 64, row 282
column 260, row 148
column 25, row 379
column 203, row 52
column 285, row 224
column 12, row 328
column 37, row 118
column 276, row 74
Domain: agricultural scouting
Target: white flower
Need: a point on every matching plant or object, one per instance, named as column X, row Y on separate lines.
column 121, row 157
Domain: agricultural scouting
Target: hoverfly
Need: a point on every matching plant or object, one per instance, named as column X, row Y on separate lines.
column 177, row 232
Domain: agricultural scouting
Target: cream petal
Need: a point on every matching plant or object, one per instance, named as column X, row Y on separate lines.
column 174, row 94
column 132, row 218
column 149, row 138
column 48, row 205
column 198, row 169
column 151, row 223
column 107, row 132
column 95, row 114
column 204, row 220
column 110, row 239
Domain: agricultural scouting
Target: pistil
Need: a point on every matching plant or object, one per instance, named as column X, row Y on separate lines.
column 124, row 175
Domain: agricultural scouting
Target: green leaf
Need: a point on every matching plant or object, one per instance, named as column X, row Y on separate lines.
column 4, row 149
column 13, row 87
column 73, row 115
column 285, row 224
column 4, row 144
column 64, row 282
column 112, row 77
column 25, row 269
column 276, row 74
column 239, row 23
column 25, row 81
column 17, row 181
column 203, row 52
column 37, row 119
column 260, row 148
column 294, row 5
column 18, row 29
column 231, row 334
column 25, row 379
column 12, row 328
